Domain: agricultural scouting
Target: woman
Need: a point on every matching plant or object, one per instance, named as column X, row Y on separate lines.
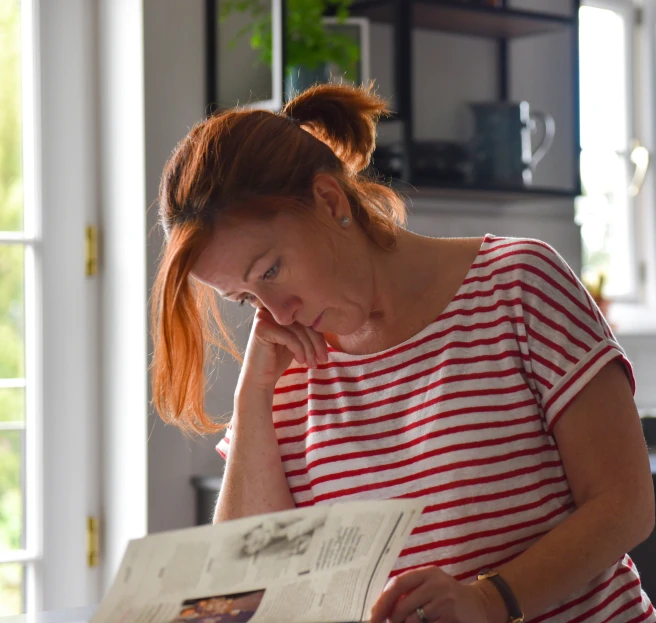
column 476, row 373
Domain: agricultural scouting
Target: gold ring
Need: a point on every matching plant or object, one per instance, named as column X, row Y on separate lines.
column 422, row 615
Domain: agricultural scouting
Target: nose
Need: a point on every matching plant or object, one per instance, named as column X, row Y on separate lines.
column 283, row 309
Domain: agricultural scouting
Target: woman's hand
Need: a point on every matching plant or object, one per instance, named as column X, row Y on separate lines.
column 442, row 599
column 271, row 348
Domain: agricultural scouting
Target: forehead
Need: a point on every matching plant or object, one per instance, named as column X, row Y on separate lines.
column 235, row 244
column 229, row 249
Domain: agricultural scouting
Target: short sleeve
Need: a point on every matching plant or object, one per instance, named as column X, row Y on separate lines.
column 568, row 341
column 224, row 445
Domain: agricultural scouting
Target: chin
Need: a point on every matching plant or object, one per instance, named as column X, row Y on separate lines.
column 345, row 328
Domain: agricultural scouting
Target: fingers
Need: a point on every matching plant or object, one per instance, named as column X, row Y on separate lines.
column 320, row 346
column 308, row 345
column 268, row 330
column 405, row 610
column 396, row 588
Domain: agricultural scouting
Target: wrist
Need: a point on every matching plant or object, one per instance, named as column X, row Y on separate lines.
column 493, row 604
column 253, row 400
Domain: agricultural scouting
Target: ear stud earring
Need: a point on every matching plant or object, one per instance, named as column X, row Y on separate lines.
column 345, row 221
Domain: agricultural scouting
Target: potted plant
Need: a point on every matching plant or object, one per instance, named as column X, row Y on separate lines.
column 313, row 50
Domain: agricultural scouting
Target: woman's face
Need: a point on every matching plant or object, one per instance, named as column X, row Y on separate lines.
column 308, row 270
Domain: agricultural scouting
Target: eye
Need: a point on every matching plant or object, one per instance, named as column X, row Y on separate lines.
column 249, row 298
column 272, row 272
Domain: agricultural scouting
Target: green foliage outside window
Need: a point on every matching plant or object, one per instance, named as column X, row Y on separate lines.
column 12, row 405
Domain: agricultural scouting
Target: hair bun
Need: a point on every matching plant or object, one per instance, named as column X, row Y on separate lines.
column 344, row 117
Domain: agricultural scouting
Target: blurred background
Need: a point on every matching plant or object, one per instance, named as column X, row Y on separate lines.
column 513, row 117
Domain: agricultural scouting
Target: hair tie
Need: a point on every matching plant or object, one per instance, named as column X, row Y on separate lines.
column 293, row 120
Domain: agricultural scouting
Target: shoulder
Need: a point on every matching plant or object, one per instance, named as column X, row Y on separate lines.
column 526, row 260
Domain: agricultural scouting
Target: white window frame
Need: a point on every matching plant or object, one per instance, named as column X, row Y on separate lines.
column 60, row 146
column 637, row 315
column 30, row 239
column 640, row 318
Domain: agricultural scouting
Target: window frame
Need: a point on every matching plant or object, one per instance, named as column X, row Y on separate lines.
column 29, row 238
column 636, row 314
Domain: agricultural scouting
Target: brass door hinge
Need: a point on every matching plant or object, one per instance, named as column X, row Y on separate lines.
column 93, row 541
column 91, row 260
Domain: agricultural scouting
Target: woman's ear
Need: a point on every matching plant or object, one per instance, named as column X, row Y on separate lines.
column 329, row 197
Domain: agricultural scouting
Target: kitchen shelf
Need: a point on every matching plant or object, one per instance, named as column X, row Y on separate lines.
column 469, row 192
column 480, row 21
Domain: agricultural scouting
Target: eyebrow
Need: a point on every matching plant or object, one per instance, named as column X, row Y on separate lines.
column 248, row 271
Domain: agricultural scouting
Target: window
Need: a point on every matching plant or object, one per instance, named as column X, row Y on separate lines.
column 17, row 311
column 613, row 161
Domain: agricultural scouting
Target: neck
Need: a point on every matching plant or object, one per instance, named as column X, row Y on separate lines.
column 402, row 280
column 404, row 277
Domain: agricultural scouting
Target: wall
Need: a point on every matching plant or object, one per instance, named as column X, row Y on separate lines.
column 175, row 100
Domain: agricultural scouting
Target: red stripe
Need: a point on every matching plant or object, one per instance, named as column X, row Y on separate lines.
column 550, row 365
column 513, row 510
column 609, row 599
column 627, row 606
column 544, row 382
column 461, row 361
column 389, row 416
column 460, row 378
column 551, row 256
column 522, row 267
column 473, row 482
column 486, row 550
column 568, row 605
column 561, row 327
column 507, row 409
column 418, row 342
column 539, row 338
column 413, row 477
column 575, row 377
column 644, row 616
column 483, row 480
column 367, row 359
column 553, row 283
column 445, row 449
column 578, row 374
column 482, row 534
column 527, row 242
column 497, row 495
column 374, row 469
column 483, row 342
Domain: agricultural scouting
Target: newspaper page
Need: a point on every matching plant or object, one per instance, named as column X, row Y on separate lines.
column 321, row 564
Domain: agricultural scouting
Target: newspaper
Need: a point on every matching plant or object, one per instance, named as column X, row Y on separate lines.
column 321, row 564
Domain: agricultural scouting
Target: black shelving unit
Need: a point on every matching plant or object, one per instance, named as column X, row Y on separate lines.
column 469, row 19
column 501, row 23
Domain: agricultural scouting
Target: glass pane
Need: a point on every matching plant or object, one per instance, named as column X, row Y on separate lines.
column 12, row 583
column 12, row 311
column 605, row 212
column 11, row 178
column 243, row 52
column 12, row 403
column 603, row 79
column 12, row 438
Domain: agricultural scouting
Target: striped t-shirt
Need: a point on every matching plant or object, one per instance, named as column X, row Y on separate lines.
column 461, row 415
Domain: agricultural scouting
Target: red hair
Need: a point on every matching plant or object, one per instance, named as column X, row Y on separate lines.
column 250, row 163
